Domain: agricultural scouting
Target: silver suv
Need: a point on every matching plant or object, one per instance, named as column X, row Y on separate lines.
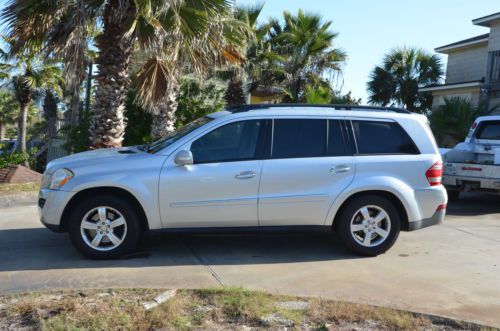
column 366, row 173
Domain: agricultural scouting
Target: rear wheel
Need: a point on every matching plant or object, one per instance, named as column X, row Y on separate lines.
column 368, row 225
column 104, row 227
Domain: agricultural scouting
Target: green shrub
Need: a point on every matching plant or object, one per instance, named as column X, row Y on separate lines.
column 7, row 159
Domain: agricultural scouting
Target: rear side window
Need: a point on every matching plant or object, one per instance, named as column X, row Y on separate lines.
column 374, row 137
column 336, row 143
column 489, row 130
column 297, row 138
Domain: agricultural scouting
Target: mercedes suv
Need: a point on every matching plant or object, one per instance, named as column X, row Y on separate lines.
column 364, row 173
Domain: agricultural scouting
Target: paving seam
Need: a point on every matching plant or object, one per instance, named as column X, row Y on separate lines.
column 202, row 262
column 471, row 233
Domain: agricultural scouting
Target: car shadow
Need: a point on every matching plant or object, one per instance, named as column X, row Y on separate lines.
column 40, row 249
column 474, row 204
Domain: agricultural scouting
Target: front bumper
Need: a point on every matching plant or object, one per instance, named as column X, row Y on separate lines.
column 435, row 219
column 51, row 204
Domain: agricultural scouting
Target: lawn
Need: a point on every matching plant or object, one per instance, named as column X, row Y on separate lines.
column 221, row 309
column 13, row 188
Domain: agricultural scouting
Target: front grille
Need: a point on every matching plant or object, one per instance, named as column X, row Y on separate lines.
column 41, row 202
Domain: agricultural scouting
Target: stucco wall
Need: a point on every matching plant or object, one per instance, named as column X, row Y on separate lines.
column 465, row 93
column 494, row 40
column 466, row 65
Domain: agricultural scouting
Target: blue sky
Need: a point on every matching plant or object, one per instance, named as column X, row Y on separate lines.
column 368, row 28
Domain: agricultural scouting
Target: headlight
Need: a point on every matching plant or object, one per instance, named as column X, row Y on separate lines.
column 59, row 178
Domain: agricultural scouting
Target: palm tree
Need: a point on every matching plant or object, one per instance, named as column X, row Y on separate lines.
column 451, row 122
column 9, row 110
column 403, row 71
column 26, row 73
column 125, row 25
column 305, row 43
column 158, row 80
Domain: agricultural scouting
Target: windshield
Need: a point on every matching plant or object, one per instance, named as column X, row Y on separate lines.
column 170, row 138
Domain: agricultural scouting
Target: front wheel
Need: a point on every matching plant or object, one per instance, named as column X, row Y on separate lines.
column 104, row 227
column 368, row 225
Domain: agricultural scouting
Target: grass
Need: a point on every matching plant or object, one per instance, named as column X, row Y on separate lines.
column 23, row 187
column 228, row 308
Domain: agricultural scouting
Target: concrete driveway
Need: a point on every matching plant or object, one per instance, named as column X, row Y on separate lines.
column 451, row 270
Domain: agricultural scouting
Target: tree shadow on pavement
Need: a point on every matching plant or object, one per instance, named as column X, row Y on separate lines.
column 40, row 249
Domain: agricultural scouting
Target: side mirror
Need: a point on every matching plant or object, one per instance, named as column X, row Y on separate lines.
column 183, row 158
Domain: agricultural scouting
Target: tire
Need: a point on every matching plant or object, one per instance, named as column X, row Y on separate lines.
column 379, row 241
column 121, row 225
column 453, row 195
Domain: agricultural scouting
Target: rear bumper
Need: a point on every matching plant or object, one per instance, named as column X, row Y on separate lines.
column 435, row 219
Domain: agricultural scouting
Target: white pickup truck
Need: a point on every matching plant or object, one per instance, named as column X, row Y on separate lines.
column 474, row 165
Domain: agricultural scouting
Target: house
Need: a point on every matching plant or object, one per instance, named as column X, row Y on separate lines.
column 473, row 69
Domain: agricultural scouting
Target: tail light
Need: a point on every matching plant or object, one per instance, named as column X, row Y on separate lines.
column 435, row 174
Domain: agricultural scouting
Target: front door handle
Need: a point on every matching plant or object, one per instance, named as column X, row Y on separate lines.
column 245, row 175
column 340, row 169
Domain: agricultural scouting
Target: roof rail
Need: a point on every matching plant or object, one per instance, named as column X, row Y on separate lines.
column 244, row 108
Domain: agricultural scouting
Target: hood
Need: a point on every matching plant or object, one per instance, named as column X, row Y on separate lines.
column 96, row 157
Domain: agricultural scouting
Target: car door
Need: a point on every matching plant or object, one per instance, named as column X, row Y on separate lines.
column 311, row 163
column 220, row 188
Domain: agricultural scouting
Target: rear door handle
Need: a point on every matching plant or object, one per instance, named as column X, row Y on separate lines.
column 245, row 175
column 340, row 169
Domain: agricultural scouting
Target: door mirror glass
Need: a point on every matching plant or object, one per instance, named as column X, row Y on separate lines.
column 183, row 158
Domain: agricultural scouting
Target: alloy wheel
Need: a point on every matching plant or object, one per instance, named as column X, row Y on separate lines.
column 370, row 226
column 103, row 228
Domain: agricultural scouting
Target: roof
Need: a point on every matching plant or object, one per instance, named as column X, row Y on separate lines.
column 474, row 41
column 472, row 83
column 487, row 20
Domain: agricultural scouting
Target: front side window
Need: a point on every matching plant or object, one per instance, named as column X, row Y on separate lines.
column 382, row 138
column 299, row 138
column 489, row 130
column 237, row 141
column 172, row 137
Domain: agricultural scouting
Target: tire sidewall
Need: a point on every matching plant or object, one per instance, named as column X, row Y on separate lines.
column 343, row 228
column 133, row 228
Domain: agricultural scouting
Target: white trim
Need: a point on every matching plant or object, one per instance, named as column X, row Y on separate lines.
column 484, row 21
column 445, row 49
column 449, row 87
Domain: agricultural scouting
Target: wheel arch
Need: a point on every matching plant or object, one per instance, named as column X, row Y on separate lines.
column 103, row 190
column 403, row 214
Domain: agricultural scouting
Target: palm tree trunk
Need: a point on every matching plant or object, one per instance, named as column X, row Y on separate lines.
column 2, row 131
column 21, row 127
column 75, row 105
column 164, row 115
column 107, row 122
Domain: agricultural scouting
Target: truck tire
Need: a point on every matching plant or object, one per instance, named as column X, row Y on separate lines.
column 453, row 195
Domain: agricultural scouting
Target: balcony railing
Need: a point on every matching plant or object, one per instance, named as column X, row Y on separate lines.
column 493, row 71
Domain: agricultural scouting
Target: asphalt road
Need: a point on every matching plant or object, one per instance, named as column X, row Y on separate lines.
column 452, row 269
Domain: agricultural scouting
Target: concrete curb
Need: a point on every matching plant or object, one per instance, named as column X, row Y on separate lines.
column 18, row 199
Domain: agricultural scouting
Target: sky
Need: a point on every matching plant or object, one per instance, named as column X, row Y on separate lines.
column 368, row 29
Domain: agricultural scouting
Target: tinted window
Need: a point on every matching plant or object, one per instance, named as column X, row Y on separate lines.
column 294, row 138
column 336, row 143
column 382, row 138
column 232, row 142
column 176, row 135
column 489, row 130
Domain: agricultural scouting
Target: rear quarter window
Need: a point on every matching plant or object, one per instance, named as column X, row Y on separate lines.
column 377, row 137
